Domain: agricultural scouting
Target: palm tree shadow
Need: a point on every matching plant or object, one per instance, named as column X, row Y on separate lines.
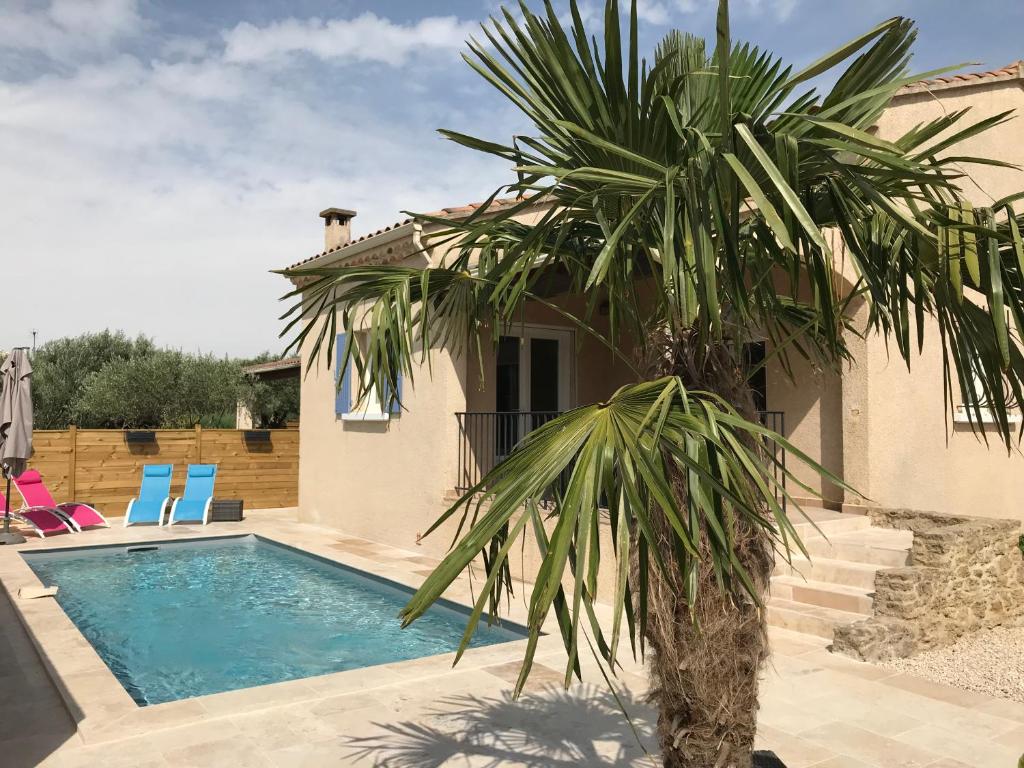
column 551, row 729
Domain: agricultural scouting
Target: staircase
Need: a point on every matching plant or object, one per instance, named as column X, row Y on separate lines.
column 836, row 586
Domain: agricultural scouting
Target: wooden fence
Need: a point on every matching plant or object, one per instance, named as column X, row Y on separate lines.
column 100, row 467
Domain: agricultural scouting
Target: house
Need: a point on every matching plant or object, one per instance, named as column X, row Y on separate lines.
column 285, row 369
column 883, row 429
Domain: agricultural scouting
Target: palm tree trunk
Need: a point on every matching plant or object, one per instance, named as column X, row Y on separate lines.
column 705, row 659
column 704, row 673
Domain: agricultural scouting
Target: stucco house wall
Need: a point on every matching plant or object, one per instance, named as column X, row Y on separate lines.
column 913, row 465
column 386, row 480
column 370, row 477
column 811, row 404
column 902, row 449
column 880, row 427
column 884, row 429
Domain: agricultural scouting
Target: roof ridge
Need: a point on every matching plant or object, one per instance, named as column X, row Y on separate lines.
column 1012, row 71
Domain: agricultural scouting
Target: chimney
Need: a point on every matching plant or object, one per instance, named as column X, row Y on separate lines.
column 337, row 227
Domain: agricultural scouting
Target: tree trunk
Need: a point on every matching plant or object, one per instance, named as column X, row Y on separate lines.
column 705, row 659
column 704, row 672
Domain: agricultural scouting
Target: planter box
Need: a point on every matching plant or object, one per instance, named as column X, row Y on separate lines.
column 226, row 511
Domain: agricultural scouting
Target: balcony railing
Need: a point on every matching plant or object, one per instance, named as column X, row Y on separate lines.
column 776, row 422
column 487, row 437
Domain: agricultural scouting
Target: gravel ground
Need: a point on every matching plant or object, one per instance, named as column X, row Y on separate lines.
column 989, row 662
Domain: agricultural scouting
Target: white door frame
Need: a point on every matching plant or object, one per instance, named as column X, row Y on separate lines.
column 566, row 361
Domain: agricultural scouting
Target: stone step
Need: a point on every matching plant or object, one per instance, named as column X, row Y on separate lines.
column 846, row 572
column 815, row 523
column 877, row 546
column 821, row 593
column 807, row 619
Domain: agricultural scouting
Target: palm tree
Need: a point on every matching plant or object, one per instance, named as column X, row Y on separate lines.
column 697, row 201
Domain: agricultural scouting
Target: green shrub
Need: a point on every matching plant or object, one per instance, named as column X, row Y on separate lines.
column 108, row 380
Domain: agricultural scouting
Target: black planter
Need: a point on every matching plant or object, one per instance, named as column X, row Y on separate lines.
column 764, row 758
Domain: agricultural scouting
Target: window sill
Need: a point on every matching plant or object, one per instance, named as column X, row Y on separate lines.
column 371, row 416
column 961, row 416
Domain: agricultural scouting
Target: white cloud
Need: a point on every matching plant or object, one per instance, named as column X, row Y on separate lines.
column 206, row 79
column 65, row 28
column 652, row 12
column 779, row 9
column 188, row 48
column 155, row 195
column 367, row 37
column 784, row 8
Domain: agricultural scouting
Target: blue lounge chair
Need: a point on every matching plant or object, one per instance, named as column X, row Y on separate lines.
column 154, row 497
column 194, row 506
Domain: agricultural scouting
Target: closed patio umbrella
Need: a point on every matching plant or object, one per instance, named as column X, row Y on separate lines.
column 15, row 426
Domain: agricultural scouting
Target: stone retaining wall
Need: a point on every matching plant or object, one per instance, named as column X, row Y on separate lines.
column 965, row 574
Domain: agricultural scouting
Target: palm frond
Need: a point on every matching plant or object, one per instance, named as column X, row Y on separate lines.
column 622, row 458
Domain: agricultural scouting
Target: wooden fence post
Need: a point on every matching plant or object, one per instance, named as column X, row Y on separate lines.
column 199, row 443
column 72, row 460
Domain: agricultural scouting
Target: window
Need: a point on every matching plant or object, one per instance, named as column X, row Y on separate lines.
column 369, row 409
column 345, row 405
column 965, row 413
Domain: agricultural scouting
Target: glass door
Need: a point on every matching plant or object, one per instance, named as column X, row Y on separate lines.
column 507, row 396
column 533, row 379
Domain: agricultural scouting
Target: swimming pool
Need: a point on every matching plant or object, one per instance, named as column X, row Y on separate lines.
column 181, row 619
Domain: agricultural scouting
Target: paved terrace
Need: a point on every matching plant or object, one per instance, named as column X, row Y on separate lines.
column 817, row 709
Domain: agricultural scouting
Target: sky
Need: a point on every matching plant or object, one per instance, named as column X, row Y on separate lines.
column 159, row 157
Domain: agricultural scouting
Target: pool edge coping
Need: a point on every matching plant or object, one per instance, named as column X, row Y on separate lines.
column 102, row 709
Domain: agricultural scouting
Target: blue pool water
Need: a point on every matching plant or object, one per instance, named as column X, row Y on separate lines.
column 189, row 619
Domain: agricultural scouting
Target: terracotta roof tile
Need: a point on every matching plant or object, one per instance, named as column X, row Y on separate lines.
column 1009, row 72
column 359, row 239
column 453, row 212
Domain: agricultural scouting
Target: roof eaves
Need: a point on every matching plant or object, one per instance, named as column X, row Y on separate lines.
column 370, row 239
column 274, row 365
column 343, row 251
column 1014, row 71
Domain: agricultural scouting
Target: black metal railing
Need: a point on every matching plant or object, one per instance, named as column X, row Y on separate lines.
column 776, row 422
column 487, row 437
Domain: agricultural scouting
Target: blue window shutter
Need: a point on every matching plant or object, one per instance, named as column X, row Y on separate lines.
column 396, row 406
column 343, row 393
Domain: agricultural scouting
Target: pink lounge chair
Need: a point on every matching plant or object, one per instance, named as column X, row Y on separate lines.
column 40, row 519
column 32, row 489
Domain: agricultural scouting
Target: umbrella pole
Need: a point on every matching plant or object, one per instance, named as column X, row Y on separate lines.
column 7, row 537
column 11, row 385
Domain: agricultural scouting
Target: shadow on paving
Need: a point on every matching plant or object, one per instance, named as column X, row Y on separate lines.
column 34, row 722
column 550, row 729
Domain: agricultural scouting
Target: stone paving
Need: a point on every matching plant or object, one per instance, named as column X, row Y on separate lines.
column 817, row 709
